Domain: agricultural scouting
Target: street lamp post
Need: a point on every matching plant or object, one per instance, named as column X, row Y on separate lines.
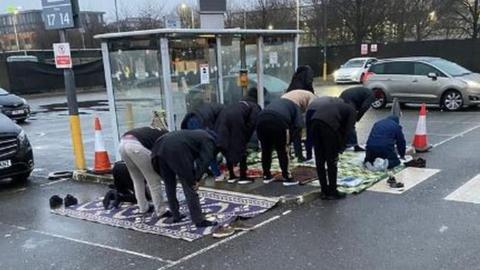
column 116, row 16
column 325, row 38
column 14, row 20
column 184, row 7
column 298, row 14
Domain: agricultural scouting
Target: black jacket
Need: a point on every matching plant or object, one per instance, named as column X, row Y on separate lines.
column 302, row 79
column 339, row 116
column 234, row 128
column 207, row 113
column 286, row 111
column 146, row 135
column 361, row 98
column 187, row 152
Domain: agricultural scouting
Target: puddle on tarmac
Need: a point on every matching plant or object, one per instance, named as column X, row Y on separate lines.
column 94, row 105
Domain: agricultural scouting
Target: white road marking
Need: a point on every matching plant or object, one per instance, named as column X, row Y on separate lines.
column 457, row 135
column 219, row 243
column 88, row 243
column 410, row 177
column 13, row 191
column 54, row 182
column 468, row 192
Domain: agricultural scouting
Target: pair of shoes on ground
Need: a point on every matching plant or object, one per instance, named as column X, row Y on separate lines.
column 56, row 201
column 201, row 224
column 392, row 183
column 417, row 163
column 225, row 231
column 330, row 197
column 242, row 180
column 288, row 182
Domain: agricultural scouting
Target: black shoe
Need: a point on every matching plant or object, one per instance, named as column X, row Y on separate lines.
column 172, row 219
column 55, row 201
column 324, row 196
column 167, row 214
column 268, row 178
column 339, row 195
column 70, row 200
column 358, row 148
column 206, row 223
column 290, row 182
column 246, row 180
column 108, row 198
column 396, row 185
column 391, row 180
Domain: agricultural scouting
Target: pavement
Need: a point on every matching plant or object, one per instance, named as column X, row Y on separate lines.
column 433, row 225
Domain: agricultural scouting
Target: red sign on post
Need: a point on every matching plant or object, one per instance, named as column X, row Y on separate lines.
column 63, row 59
column 364, row 49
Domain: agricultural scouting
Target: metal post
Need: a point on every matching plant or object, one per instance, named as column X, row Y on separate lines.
column 111, row 98
column 295, row 51
column 116, row 16
column 244, row 19
column 220, row 68
column 193, row 18
column 243, row 60
column 325, row 38
column 14, row 20
column 165, row 60
column 75, row 128
column 260, row 96
column 298, row 14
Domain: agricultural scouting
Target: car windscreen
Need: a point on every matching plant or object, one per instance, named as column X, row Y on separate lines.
column 450, row 68
column 354, row 64
column 3, row 92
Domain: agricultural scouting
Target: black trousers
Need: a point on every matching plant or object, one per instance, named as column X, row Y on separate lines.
column 243, row 167
column 273, row 135
column 326, row 145
column 170, row 179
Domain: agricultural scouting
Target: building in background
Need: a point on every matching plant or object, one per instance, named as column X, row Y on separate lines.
column 32, row 34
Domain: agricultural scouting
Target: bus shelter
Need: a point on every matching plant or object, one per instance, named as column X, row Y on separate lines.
column 171, row 71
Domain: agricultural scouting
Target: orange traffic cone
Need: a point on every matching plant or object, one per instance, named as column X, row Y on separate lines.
column 420, row 141
column 102, row 162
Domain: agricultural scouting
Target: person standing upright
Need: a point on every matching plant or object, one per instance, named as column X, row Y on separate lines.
column 361, row 99
column 330, row 128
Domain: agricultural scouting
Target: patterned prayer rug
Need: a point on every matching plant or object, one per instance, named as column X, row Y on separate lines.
column 221, row 206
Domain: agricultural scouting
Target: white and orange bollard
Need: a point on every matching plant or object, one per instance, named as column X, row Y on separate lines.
column 102, row 162
column 420, row 140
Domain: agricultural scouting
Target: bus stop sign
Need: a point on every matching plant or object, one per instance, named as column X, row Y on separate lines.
column 59, row 14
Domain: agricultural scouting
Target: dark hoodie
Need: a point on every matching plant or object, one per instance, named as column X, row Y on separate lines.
column 387, row 133
column 207, row 114
column 302, row 79
column 361, row 98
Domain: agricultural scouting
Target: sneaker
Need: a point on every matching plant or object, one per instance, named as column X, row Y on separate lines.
column 232, row 180
column 397, row 185
column 358, row 148
column 246, row 180
column 222, row 232
column 391, row 180
column 241, row 226
column 267, row 179
column 206, row 223
column 290, row 182
column 220, row 178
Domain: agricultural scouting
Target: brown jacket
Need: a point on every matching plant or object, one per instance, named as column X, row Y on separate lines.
column 300, row 97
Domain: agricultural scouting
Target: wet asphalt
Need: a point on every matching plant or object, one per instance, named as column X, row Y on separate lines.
column 415, row 230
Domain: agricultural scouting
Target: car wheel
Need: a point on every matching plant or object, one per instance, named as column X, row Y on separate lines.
column 21, row 121
column 380, row 99
column 452, row 100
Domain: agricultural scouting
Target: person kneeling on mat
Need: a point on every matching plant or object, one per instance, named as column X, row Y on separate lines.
column 235, row 127
column 385, row 135
column 135, row 149
column 330, row 127
column 186, row 154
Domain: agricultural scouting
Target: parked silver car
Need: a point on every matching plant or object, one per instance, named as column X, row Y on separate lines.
column 423, row 80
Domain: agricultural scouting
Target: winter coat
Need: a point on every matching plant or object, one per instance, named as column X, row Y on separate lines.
column 361, row 98
column 286, row 111
column 339, row 116
column 188, row 153
column 234, row 128
column 300, row 97
column 302, row 79
column 387, row 133
column 207, row 113
column 318, row 104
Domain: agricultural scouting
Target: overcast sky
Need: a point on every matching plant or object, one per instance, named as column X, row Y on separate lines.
column 98, row 5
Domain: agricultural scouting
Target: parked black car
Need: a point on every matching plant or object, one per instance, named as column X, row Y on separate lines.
column 14, row 106
column 16, row 155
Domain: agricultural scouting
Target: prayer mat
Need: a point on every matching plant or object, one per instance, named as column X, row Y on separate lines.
column 221, row 206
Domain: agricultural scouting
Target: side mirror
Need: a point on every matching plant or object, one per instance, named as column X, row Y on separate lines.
column 432, row 76
column 368, row 65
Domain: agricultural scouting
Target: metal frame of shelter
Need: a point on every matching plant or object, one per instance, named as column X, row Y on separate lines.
column 164, row 35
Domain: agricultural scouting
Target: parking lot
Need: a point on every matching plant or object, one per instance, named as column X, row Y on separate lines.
column 418, row 229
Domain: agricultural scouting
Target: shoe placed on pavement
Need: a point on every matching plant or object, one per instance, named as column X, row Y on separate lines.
column 232, row 180
column 246, row 180
column 55, row 201
column 358, row 148
column 267, row 179
column 108, row 198
column 391, row 180
column 396, row 185
column 220, row 178
column 222, row 232
column 206, row 223
column 70, row 200
column 290, row 182
column 241, row 226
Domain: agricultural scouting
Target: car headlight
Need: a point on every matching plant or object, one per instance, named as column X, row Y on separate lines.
column 22, row 137
column 335, row 73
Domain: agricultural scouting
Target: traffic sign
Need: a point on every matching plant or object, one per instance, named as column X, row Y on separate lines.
column 364, row 49
column 63, row 59
column 374, row 48
column 59, row 14
column 204, row 74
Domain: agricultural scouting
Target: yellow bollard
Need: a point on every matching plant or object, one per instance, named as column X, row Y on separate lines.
column 129, row 117
column 325, row 71
column 77, row 142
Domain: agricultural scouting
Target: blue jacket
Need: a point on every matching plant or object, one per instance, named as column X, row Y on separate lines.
column 387, row 133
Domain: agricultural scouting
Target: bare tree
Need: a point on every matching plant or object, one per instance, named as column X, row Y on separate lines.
column 468, row 12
